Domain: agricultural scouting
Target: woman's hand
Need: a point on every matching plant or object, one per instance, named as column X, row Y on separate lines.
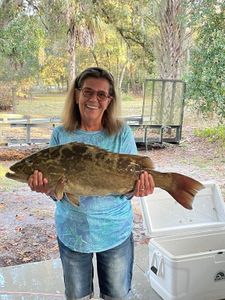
column 145, row 185
column 39, row 184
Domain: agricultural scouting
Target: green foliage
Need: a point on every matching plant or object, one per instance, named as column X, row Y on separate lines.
column 130, row 20
column 212, row 134
column 111, row 34
column 117, row 35
column 21, row 40
column 53, row 71
column 207, row 65
column 109, row 51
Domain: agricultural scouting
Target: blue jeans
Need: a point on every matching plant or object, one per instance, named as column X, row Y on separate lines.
column 114, row 268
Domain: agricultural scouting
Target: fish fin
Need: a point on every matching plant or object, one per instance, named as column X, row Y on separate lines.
column 147, row 162
column 144, row 161
column 128, row 195
column 73, row 199
column 184, row 189
column 59, row 189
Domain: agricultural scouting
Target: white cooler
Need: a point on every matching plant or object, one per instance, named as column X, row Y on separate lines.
column 187, row 248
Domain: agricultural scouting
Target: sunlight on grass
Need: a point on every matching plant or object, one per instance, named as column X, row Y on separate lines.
column 212, row 134
column 131, row 106
column 3, row 170
column 46, row 105
column 5, row 183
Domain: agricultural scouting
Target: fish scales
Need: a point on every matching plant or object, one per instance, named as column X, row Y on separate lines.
column 79, row 169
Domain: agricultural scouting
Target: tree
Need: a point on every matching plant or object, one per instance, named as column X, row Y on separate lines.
column 19, row 45
column 207, row 63
column 170, row 35
column 53, row 71
column 72, row 21
column 128, row 18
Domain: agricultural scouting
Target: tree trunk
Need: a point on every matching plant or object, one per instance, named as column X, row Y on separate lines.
column 71, row 44
column 170, row 46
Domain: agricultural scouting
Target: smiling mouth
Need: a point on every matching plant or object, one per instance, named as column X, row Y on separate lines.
column 91, row 106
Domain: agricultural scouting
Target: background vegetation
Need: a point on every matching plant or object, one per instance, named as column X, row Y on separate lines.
column 44, row 44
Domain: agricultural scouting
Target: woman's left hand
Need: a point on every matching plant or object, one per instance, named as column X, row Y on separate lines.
column 145, row 185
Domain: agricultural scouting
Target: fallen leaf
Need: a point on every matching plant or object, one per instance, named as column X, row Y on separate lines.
column 18, row 229
column 26, row 259
column 35, row 244
column 51, row 236
column 55, row 248
column 2, row 205
column 19, row 217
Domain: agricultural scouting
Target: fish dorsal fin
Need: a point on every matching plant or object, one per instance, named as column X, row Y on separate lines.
column 145, row 161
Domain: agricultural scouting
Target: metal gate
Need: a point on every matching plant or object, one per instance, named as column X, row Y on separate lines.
column 162, row 111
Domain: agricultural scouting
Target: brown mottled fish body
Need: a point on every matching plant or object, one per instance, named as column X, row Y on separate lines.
column 87, row 170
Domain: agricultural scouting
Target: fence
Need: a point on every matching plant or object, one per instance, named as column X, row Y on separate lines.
column 17, row 129
column 160, row 121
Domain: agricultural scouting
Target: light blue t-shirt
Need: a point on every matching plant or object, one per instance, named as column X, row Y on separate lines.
column 99, row 223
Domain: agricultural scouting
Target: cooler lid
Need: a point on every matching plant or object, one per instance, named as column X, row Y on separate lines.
column 162, row 215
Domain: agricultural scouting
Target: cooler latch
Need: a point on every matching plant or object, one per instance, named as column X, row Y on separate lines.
column 154, row 269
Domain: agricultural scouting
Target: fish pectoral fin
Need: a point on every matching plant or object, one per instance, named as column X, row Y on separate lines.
column 73, row 199
column 59, row 188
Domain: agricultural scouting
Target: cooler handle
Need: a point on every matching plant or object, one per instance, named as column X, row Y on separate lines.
column 157, row 268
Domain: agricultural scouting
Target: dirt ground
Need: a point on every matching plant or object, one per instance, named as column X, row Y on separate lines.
column 27, row 232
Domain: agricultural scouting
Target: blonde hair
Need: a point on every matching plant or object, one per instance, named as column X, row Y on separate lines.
column 71, row 117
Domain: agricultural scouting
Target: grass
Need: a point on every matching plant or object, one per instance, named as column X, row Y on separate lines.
column 52, row 105
column 5, row 182
column 212, row 134
column 46, row 106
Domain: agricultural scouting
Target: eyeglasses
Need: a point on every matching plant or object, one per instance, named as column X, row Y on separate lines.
column 89, row 93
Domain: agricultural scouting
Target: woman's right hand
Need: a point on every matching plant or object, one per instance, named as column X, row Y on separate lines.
column 39, row 184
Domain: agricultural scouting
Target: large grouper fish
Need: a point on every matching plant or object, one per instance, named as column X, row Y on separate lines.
column 79, row 169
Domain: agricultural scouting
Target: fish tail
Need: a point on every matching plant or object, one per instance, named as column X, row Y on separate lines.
column 183, row 189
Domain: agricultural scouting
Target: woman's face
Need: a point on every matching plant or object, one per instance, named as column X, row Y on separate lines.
column 93, row 101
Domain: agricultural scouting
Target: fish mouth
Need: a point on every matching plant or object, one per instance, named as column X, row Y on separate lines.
column 16, row 176
column 10, row 175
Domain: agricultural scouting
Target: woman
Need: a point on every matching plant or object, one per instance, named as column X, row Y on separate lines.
column 101, row 225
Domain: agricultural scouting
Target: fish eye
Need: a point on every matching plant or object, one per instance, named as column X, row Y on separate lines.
column 29, row 162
